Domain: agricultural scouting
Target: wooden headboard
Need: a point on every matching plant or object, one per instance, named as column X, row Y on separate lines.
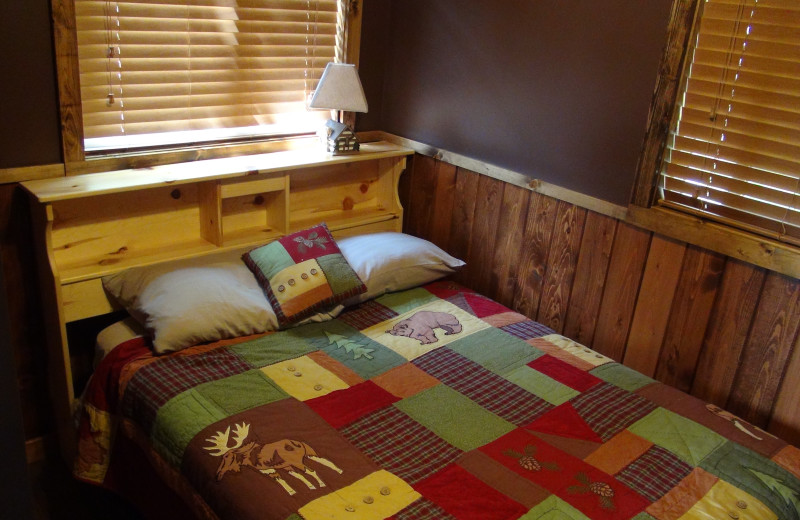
column 93, row 225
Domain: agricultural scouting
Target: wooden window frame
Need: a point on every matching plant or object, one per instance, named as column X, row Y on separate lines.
column 750, row 247
column 69, row 96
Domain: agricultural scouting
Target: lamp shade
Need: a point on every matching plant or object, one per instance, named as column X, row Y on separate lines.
column 340, row 89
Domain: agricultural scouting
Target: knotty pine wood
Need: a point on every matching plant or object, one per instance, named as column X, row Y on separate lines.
column 719, row 328
column 626, row 266
column 697, row 289
column 536, row 248
column 590, row 277
column 727, row 330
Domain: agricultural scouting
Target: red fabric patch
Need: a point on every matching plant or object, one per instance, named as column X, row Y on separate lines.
column 446, row 289
column 309, row 243
column 564, row 373
column 483, row 306
column 345, row 406
column 101, row 391
column 466, row 497
column 564, row 421
column 596, row 494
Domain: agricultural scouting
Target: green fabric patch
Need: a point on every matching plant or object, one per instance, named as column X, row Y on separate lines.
column 484, row 347
column 340, row 275
column 273, row 348
column 242, row 392
column 553, row 508
column 365, row 357
column 643, row 516
column 688, row 440
column 271, row 260
column 541, row 385
column 621, row 376
column 179, row 420
column 404, row 301
column 771, row 484
column 454, row 417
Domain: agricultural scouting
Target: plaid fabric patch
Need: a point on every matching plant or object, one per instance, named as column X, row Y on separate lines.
column 158, row 382
column 399, row 444
column 655, row 473
column 367, row 314
column 528, row 329
column 498, row 395
column 609, row 409
column 423, row 509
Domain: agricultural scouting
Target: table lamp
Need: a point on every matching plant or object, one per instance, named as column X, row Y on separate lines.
column 339, row 89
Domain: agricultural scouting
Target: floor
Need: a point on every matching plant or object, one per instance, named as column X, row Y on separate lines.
column 58, row 496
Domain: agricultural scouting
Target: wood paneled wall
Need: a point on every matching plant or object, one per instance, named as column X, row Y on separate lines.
column 717, row 328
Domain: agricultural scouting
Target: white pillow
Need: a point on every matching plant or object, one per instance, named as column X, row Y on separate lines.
column 194, row 301
column 388, row 262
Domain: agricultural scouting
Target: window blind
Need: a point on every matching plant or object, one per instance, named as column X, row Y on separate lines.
column 156, row 72
column 734, row 154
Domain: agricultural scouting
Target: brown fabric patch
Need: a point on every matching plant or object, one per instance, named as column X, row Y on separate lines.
column 405, row 380
column 789, row 459
column 720, row 421
column 502, row 479
column 283, row 435
column 682, row 497
column 559, row 353
column 334, row 366
column 504, row 318
column 618, row 452
column 579, row 448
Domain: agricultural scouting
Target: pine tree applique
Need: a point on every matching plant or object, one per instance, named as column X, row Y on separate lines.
column 351, row 347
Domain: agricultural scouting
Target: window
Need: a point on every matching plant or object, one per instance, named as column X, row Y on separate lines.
column 733, row 154
column 156, row 73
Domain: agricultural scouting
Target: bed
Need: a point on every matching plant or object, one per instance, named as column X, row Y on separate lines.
column 392, row 393
column 430, row 402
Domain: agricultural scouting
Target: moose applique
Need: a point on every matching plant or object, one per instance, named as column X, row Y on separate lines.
column 286, row 454
column 421, row 324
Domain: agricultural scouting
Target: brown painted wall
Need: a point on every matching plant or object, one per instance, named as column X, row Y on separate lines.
column 29, row 133
column 555, row 89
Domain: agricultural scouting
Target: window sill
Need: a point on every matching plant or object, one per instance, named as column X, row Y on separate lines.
column 152, row 158
column 754, row 249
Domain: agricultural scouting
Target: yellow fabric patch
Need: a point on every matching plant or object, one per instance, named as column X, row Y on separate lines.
column 376, row 496
column 413, row 347
column 726, row 501
column 578, row 350
column 303, row 378
column 292, row 282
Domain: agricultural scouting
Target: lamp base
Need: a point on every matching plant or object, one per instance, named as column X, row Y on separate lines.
column 338, row 138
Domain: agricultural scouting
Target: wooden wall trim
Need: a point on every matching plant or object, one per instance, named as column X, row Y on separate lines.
column 754, row 249
column 496, row 172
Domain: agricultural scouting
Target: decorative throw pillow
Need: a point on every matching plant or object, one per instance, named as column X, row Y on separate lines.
column 302, row 273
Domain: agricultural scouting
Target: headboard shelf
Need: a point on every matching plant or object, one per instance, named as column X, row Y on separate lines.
column 94, row 225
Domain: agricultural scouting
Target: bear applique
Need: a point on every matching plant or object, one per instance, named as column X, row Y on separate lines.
column 421, row 324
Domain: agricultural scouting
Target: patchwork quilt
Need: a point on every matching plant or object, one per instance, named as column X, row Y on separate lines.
column 433, row 403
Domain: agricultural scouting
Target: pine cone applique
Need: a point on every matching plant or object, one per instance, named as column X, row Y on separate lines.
column 603, row 491
column 527, row 460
